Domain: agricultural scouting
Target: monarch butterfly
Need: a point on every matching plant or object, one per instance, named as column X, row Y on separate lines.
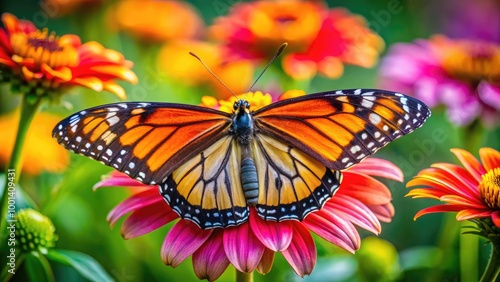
column 284, row 159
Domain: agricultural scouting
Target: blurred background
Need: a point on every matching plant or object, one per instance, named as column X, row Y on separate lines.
column 423, row 250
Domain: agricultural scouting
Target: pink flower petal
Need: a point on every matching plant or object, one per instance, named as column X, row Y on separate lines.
column 365, row 188
column 354, row 211
column 135, row 202
column 489, row 94
column 274, row 235
column 147, row 219
column 243, row 249
column 266, row 263
column 384, row 213
column 210, row 260
column 301, row 253
column 183, row 240
column 438, row 208
column 121, row 180
column 379, row 167
column 334, row 229
column 495, row 216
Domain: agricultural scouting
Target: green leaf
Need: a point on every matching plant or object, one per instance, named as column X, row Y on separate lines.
column 84, row 264
column 420, row 257
column 38, row 268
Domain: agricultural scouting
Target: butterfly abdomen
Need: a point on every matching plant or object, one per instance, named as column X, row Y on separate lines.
column 249, row 180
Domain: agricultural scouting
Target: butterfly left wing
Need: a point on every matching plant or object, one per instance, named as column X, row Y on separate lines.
column 341, row 128
column 147, row 141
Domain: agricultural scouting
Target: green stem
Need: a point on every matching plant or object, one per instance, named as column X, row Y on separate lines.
column 6, row 275
column 244, row 276
column 469, row 249
column 28, row 112
column 493, row 268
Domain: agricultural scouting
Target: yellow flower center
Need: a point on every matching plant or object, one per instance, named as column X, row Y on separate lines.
column 42, row 47
column 489, row 188
column 473, row 61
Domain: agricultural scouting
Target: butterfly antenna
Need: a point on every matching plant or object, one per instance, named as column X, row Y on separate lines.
column 282, row 47
column 210, row 71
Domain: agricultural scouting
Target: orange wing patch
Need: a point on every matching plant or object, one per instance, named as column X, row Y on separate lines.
column 291, row 183
column 207, row 188
column 145, row 140
column 341, row 128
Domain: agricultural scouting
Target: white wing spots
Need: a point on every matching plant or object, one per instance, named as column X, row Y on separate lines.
column 407, row 116
column 349, row 164
column 123, row 105
column 355, row 149
column 99, row 147
column 374, row 118
column 369, row 93
column 364, row 136
column 113, row 119
column 78, row 139
column 87, row 145
column 377, row 134
column 131, row 165
column 115, row 165
column 142, row 174
column 109, row 152
column 415, row 120
column 419, row 107
column 123, row 152
column 367, row 104
column 83, row 113
column 385, row 127
column 344, row 160
column 60, row 133
column 119, row 160
column 339, row 92
column 143, row 104
column 66, row 138
column 361, row 156
column 403, row 100
column 405, row 107
column 153, row 183
column 357, row 91
column 400, row 121
column 60, row 127
column 399, row 94
column 371, row 144
column 73, row 128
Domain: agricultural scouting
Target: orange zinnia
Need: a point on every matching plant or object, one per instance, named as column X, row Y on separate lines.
column 38, row 62
column 156, row 21
column 472, row 190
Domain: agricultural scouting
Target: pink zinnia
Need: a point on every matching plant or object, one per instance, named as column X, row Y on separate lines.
column 462, row 75
column 361, row 200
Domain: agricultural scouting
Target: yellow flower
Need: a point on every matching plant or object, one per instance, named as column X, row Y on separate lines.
column 41, row 152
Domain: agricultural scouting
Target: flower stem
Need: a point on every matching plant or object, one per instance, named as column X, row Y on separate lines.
column 28, row 112
column 469, row 253
column 244, row 276
column 493, row 268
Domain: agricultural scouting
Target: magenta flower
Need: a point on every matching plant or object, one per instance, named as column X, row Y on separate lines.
column 361, row 200
column 462, row 75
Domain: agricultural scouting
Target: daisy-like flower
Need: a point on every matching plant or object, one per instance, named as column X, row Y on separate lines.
column 361, row 200
column 463, row 75
column 60, row 8
column 37, row 62
column 41, row 153
column 155, row 21
column 473, row 191
column 321, row 40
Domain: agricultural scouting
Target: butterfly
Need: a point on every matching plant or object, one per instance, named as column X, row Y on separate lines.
column 284, row 159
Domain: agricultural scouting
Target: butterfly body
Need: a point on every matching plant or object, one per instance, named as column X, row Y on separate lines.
column 212, row 167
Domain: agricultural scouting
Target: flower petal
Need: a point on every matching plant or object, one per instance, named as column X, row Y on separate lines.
column 355, row 185
column 354, row 211
column 147, row 219
column 334, row 229
column 210, row 260
column 119, row 179
column 473, row 213
column 490, row 158
column 489, row 94
column 266, row 262
column 183, row 240
column 135, row 202
column 301, row 254
column 379, row 167
column 384, row 213
column 470, row 163
column 495, row 216
column 243, row 249
column 274, row 235
column 436, row 209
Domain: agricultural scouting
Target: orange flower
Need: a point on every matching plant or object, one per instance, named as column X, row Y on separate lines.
column 472, row 190
column 174, row 60
column 157, row 21
column 38, row 62
column 320, row 40
column 41, row 151
column 59, row 8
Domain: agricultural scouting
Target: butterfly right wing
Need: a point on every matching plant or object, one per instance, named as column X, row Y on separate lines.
column 147, row 141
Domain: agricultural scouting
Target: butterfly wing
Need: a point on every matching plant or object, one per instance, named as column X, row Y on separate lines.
column 147, row 141
column 207, row 188
column 292, row 184
column 339, row 129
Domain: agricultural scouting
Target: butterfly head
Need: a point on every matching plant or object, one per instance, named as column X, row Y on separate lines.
column 241, row 105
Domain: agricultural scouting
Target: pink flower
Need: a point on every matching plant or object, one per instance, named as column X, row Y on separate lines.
column 361, row 200
column 462, row 75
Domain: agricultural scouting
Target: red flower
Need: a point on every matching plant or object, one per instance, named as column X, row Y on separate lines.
column 38, row 62
column 472, row 190
column 320, row 40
